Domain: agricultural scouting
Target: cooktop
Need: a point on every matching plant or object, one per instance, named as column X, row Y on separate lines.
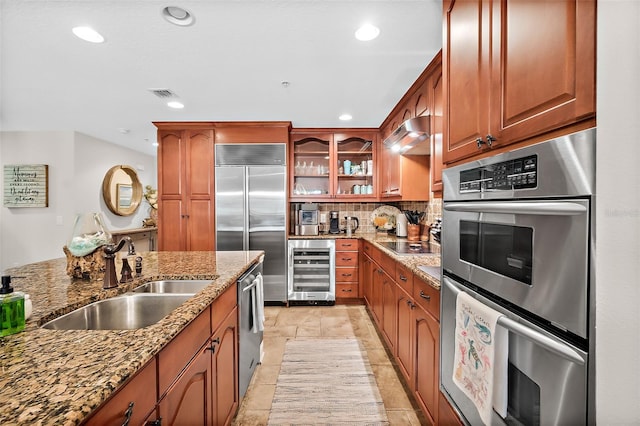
column 409, row 247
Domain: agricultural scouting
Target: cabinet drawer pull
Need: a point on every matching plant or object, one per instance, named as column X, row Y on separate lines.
column 346, row 245
column 403, row 278
column 214, row 342
column 128, row 414
column 346, row 259
column 346, row 275
column 424, row 296
column 347, row 290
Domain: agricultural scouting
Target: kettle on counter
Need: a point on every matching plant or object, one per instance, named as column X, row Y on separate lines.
column 401, row 225
column 349, row 224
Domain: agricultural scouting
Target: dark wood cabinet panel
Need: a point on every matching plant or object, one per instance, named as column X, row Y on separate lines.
column 505, row 81
column 188, row 401
column 225, row 371
column 465, row 73
column 426, row 362
column 186, row 190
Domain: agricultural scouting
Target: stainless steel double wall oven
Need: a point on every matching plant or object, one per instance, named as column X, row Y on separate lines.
column 518, row 235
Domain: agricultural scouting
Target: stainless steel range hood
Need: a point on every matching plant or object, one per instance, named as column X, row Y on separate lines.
column 412, row 137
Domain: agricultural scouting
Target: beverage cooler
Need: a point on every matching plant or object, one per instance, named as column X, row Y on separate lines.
column 311, row 277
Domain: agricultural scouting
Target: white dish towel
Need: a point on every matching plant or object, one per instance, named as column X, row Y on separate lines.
column 481, row 356
column 257, row 302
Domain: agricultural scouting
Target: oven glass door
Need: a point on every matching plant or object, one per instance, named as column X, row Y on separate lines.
column 533, row 254
column 547, row 377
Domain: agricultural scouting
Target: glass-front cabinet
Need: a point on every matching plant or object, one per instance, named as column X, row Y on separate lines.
column 333, row 165
column 355, row 164
column 311, row 166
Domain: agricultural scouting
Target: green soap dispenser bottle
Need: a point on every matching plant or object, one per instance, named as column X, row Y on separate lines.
column 12, row 307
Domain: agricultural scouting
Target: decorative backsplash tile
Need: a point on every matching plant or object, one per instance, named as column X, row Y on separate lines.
column 363, row 211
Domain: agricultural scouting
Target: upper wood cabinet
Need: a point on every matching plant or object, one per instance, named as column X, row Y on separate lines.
column 408, row 177
column 333, row 163
column 186, row 189
column 506, row 80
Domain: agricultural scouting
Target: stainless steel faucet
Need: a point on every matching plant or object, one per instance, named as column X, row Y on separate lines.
column 110, row 250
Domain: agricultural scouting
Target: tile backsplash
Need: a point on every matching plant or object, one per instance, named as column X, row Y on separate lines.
column 363, row 211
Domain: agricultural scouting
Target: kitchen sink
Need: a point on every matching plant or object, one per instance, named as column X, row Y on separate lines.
column 173, row 286
column 126, row 312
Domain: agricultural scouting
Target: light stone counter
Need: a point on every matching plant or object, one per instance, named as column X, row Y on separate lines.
column 58, row 377
column 411, row 261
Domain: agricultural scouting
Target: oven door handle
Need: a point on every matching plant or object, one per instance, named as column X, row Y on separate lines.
column 539, row 339
column 516, row 207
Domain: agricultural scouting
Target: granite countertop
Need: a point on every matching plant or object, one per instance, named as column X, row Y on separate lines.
column 411, row 261
column 60, row 376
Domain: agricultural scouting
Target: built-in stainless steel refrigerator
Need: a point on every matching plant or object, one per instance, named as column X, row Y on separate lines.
column 251, row 208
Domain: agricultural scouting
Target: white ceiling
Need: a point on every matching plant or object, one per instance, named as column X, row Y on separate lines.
column 228, row 65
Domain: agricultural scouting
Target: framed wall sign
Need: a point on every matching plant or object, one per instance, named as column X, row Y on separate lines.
column 26, row 185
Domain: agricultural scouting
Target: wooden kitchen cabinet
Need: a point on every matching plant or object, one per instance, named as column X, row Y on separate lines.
column 406, row 311
column 186, row 190
column 366, row 276
column 389, row 311
column 188, row 401
column 317, row 164
column 347, row 271
column 135, row 401
column 409, row 177
column 224, row 371
column 446, row 414
column 426, row 361
column 505, row 81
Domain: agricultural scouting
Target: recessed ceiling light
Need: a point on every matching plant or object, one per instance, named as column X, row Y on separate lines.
column 178, row 16
column 367, row 32
column 345, row 117
column 88, row 34
column 175, row 105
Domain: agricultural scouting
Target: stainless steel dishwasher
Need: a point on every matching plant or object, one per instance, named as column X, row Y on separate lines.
column 250, row 324
column 312, row 267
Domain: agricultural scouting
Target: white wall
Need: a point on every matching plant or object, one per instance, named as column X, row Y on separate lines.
column 618, row 214
column 77, row 165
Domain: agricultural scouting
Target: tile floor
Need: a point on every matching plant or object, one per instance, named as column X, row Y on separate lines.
column 323, row 321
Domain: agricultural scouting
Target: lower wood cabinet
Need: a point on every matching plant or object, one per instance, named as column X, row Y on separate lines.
column 193, row 380
column 426, row 361
column 135, row 402
column 347, row 269
column 406, row 311
column 188, row 401
column 446, row 415
column 389, row 310
column 224, row 352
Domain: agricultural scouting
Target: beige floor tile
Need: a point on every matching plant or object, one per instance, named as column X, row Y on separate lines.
column 259, row 398
column 266, row 374
column 306, row 322
column 273, row 350
column 252, row 418
column 391, row 389
column 403, row 418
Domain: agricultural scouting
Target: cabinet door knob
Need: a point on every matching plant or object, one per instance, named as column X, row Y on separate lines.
column 403, row 278
column 490, row 140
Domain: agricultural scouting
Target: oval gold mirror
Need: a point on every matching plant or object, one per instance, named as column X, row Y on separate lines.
column 121, row 190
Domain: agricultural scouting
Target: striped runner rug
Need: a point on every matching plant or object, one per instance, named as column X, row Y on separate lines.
column 326, row 382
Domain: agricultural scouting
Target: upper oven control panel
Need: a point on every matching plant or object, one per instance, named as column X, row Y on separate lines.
column 519, row 173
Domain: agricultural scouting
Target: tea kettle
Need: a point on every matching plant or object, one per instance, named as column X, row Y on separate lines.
column 349, row 225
